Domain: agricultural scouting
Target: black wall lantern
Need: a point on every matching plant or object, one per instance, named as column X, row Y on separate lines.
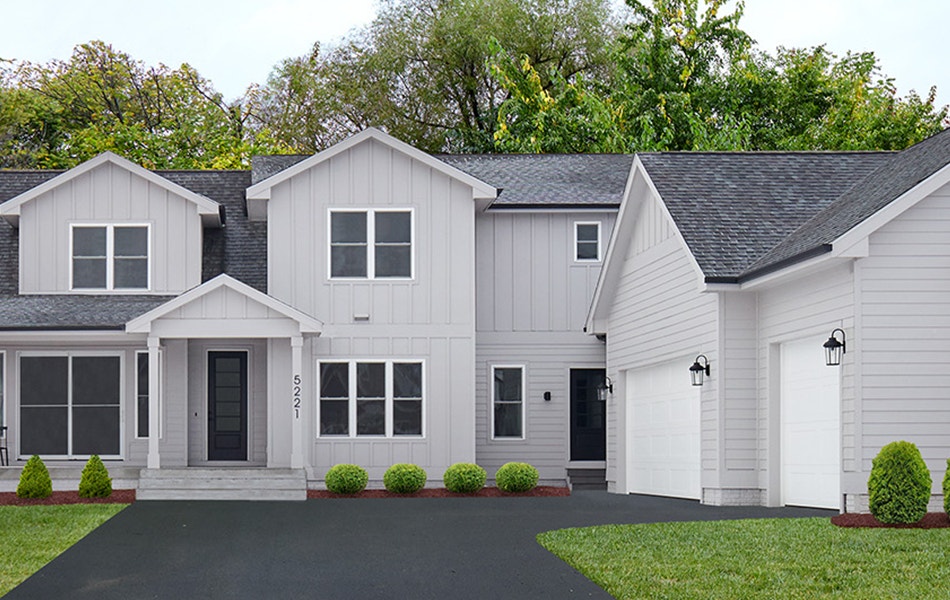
column 607, row 387
column 834, row 349
column 697, row 371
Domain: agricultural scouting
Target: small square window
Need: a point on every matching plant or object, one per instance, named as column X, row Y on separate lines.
column 587, row 242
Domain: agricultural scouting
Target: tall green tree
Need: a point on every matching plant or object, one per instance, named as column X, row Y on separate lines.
column 421, row 70
column 64, row 112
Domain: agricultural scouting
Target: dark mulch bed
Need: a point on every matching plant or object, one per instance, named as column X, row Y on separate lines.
column 934, row 520
column 488, row 492
column 117, row 497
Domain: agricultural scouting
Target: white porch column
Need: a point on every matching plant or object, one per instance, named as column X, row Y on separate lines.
column 154, row 420
column 296, row 395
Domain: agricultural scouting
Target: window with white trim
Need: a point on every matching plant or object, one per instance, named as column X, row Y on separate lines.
column 371, row 398
column 587, row 241
column 508, row 386
column 371, row 244
column 141, row 395
column 109, row 257
column 70, row 404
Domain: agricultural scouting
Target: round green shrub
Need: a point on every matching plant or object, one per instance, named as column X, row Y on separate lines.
column 346, row 479
column 946, row 489
column 899, row 485
column 516, row 477
column 464, row 478
column 403, row 478
column 34, row 480
column 95, row 481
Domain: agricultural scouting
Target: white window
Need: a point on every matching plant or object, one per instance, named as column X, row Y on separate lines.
column 587, row 241
column 371, row 398
column 371, row 244
column 141, row 395
column 109, row 257
column 508, row 404
column 70, row 404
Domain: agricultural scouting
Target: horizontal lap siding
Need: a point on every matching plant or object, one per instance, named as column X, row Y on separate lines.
column 905, row 307
column 532, row 301
column 659, row 314
column 740, row 427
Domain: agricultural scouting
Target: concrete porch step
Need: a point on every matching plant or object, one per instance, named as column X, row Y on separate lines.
column 210, row 483
column 587, row 479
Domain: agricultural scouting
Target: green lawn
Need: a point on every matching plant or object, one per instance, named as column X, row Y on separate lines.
column 764, row 558
column 31, row 536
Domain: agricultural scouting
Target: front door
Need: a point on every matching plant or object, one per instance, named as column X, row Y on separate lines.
column 227, row 405
column 588, row 415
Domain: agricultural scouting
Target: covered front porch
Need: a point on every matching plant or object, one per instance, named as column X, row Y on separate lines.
column 229, row 397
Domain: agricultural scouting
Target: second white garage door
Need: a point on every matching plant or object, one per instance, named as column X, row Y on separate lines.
column 663, row 450
column 811, row 432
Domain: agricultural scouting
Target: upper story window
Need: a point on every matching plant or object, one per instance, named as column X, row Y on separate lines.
column 110, row 257
column 371, row 244
column 587, row 242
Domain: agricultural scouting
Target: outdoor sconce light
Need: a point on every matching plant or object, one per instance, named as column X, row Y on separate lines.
column 834, row 349
column 607, row 387
column 697, row 371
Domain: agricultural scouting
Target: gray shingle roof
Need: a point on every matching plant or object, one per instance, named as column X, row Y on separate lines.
column 549, row 180
column 734, row 207
column 263, row 167
column 896, row 175
column 73, row 312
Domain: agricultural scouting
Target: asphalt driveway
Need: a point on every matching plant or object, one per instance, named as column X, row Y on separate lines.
column 412, row 548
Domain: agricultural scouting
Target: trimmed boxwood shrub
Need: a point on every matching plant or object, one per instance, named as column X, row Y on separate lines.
column 899, row 485
column 516, row 477
column 464, row 478
column 403, row 478
column 346, row 479
column 946, row 489
column 34, row 480
column 95, row 481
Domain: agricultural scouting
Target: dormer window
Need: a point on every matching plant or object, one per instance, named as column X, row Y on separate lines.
column 371, row 244
column 110, row 257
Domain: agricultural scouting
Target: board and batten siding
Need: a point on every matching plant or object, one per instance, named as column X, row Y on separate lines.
column 803, row 307
column 532, row 298
column 659, row 313
column 109, row 194
column 429, row 318
column 903, row 298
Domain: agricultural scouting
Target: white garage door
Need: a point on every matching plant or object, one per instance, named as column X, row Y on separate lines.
column 811, row 415
column 663, row 454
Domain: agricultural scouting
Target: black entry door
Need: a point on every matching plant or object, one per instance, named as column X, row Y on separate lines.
column 588, row 415
column 227, row 405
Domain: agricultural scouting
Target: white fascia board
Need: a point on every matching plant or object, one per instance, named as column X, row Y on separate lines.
column 143, row 323
column 851, row 238
column 262, row 189
column 208, row 209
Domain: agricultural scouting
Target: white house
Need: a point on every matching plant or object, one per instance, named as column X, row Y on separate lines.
column 375, row 304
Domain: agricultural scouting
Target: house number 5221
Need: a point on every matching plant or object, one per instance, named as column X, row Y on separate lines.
column 296, row 396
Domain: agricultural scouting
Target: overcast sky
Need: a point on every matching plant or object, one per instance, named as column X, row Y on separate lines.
column 236, row 42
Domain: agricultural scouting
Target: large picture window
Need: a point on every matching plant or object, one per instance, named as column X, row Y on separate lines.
column 371, row 244
column 508, row 402
column 110, row 257
column 70, row 405
column 371, row 398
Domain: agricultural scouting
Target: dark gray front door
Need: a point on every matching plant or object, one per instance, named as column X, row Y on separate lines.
column 588, row 415
column 227, row 405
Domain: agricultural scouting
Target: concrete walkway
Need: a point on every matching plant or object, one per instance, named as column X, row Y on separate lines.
column 412, row 548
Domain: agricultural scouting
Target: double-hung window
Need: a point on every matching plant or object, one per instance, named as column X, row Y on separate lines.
column 371, row 398
column 109, row 257
column 508, row 402
column 587, row 242
column 371, row 244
